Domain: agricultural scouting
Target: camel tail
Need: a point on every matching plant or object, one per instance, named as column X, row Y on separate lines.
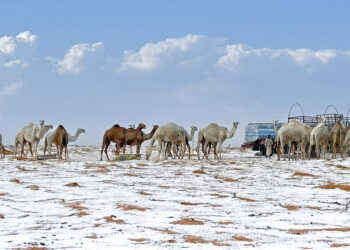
column 312, row 140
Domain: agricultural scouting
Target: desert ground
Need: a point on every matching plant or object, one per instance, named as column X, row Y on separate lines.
column 239, row 202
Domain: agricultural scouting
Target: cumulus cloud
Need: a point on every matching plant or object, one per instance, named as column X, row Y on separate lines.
column 7, row 45
column 16, row 63
column 10, row 88
column 151, row 55
column 234, row 53
column 26, row 37
column 78, row 57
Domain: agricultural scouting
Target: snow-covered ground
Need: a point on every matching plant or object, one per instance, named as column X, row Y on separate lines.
column 238, row 202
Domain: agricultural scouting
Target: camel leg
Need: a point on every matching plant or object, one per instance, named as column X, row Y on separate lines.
column 333, row 151
column 30, row 149
column 341, row 149
column 205, row 150
column 138, row 148
column 103, row 145
column 218, row 153
column 189, row 150
column 317, row 150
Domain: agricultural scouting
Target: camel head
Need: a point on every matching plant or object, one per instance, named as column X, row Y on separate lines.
column 141, row 126
column 41, row 122
column 275, row 122
column 322, row 119
column 80, row 130
column 47, row 127
column 194, row 128
column 155, row 126
column 235, row 124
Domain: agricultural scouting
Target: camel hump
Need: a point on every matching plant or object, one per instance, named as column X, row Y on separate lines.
column 116, row 125
column 60, row 126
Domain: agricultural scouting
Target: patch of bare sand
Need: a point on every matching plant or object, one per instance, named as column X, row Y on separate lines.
column 73, row 184
column 340, row 245
column 199, row 172
column 195, row 239
column 110, row 219
column 304, row 231
column 313, row 208
column 97, row 168
column 342, row 167
column 220, row 196
column 15, row 180
column 92, row 236
column 3, row 194
column 2, row 216
column 225, row 222
column 144, row 193
column 187, row 221
column 334, row 186
column 230, row 180
column 241, row 238
column 33, row 187
column 220, row 244
column 140, row 240
column 245, row 199
column 126, row 207
column 190, row 203
column 303, row 174
column 74, row 205
column 291, row 207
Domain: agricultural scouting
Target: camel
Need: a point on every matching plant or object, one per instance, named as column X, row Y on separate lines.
column 346, row 144
column 169, row 132
column 216, row 135
column 188, row 138
column 337, row 138
column 61, row 139
column 32, row 135
column 49, row 138
column 115, row 134
column 140, row 139
column 293, row 132
column 133, row 137
column 320, row 139
column 2, row 149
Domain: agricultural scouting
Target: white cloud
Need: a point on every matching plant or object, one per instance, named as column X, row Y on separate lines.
column 10, row 89
column 15, row 63
column 234, row 53
column 151, row 55
column 7, row 45
column 26, row 37
column 78, row 56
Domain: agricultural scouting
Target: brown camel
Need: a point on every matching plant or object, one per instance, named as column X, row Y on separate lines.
column 140, row 138
column 61, row 139
column 133, row 136
column 337, row 138
column 115, row 134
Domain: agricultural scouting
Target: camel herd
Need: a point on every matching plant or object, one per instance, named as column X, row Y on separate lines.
column 173, row 139
column 302, row 138
column 31, row 135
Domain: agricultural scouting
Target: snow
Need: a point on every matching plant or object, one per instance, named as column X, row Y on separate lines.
column 87, row 203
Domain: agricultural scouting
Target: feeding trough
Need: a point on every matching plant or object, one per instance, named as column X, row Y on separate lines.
column 128, row 157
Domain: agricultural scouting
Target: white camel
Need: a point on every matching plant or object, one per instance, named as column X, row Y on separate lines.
column 2, row 149
column 291, row 133
column 168, row 133
column 188, row 138
column 32, row 135
column 215, row 135
column 49, row 138
column 319, row 138
column 346, row 144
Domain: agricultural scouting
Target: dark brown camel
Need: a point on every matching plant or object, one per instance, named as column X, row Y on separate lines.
column 115, row 134
column 135, row 137
column 61, row 139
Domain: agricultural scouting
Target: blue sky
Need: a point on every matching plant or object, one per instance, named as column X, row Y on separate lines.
column 91, row 65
